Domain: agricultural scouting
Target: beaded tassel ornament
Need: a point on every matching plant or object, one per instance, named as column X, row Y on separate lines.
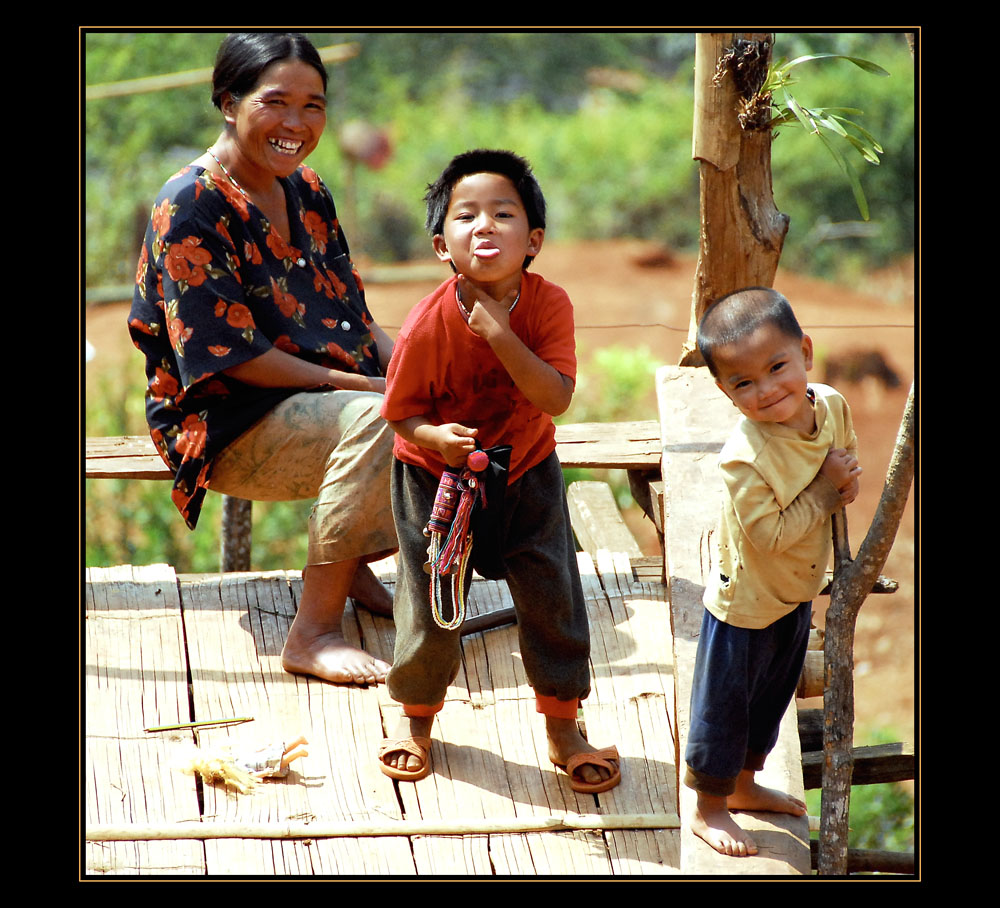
column 450, row 537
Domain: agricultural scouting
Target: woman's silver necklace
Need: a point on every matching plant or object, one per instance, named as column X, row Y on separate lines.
column 229, row 176
column 301, row 262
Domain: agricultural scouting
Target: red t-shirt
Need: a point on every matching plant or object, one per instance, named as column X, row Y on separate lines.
column 441, row 370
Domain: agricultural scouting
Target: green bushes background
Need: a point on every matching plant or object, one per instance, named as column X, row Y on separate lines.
column 605, row 118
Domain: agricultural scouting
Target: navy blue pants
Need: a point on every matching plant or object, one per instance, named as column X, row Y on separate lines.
column 744, row 680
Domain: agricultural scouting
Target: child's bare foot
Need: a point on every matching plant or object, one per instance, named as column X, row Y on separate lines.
column 751, row 796
column 407, row 754
column 566, row 742
column 710, row 821
column 330, row 657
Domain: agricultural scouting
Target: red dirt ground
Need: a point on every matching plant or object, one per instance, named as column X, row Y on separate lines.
column 633, row 284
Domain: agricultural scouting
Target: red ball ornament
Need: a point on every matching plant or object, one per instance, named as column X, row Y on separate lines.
column 477, row 461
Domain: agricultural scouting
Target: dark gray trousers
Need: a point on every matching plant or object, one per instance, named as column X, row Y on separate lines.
column 542, row 576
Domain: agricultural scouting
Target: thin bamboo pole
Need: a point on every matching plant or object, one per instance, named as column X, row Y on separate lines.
column 110, row 832
column 335, row 53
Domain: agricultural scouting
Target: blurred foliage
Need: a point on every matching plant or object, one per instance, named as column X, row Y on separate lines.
column 615, row 385
column 604, row 117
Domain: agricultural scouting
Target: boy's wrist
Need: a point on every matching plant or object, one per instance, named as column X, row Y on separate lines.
column 427, row 436
column 827, row 491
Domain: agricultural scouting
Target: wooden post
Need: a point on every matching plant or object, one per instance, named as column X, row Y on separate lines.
column 852, row 581
column 742, row 233
column 235, row 534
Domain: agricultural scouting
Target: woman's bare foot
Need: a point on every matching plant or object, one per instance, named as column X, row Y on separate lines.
column 565, row 741
column 710, row 821
column 330, row 657
column 315, row 644
column 367, row 591
column 408, row 727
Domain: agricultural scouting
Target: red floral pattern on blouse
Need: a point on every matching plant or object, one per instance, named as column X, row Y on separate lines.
column 217, row 286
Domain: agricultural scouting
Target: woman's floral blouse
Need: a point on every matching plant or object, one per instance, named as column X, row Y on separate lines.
column 215, row 287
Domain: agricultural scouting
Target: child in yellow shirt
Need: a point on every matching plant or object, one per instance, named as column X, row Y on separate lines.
column 790, row 463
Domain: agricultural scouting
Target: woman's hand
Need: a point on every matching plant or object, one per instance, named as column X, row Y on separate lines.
column 277, row 369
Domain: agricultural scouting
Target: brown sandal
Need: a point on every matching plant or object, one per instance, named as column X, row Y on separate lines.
column 418, row 746
column 604, row 759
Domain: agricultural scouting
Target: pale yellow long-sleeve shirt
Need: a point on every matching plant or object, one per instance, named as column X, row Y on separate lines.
column 775, row 535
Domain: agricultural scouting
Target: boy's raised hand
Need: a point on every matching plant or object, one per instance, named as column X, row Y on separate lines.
column 540, row 383
column 487, row 316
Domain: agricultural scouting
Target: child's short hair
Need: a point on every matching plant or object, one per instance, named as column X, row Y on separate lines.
column 505, row 163
column 735, row 316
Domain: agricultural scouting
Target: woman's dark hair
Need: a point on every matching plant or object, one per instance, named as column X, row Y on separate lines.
column 243, row 56
column 735, row 316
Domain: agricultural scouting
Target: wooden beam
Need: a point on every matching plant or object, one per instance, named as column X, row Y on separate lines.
column 126, row 457
column 597, row 521
column 863, row 860
column 614, row 445
column 873, row 765
column 620, row 445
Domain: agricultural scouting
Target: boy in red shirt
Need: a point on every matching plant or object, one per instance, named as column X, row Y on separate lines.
column 488, row 359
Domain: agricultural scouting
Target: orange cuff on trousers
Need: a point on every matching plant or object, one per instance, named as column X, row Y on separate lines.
column 557, row 709
column 416, row 711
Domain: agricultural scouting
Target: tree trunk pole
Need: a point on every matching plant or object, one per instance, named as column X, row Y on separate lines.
column 852, row 581
column 838, row 711
column 742, row 233
column 235, row 534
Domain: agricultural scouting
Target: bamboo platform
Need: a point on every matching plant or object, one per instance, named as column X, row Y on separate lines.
column 162, row 649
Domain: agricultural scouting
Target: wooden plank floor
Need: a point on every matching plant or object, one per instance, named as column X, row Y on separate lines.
column 163, row 649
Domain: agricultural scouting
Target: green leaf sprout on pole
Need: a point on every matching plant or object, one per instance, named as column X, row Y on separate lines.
column 824, row 122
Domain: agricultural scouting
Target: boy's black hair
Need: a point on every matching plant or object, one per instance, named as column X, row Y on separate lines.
column 735, row 316
column 505, row 163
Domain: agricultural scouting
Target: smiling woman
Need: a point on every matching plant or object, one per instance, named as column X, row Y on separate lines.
column 265, row 368
column 272, row 123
